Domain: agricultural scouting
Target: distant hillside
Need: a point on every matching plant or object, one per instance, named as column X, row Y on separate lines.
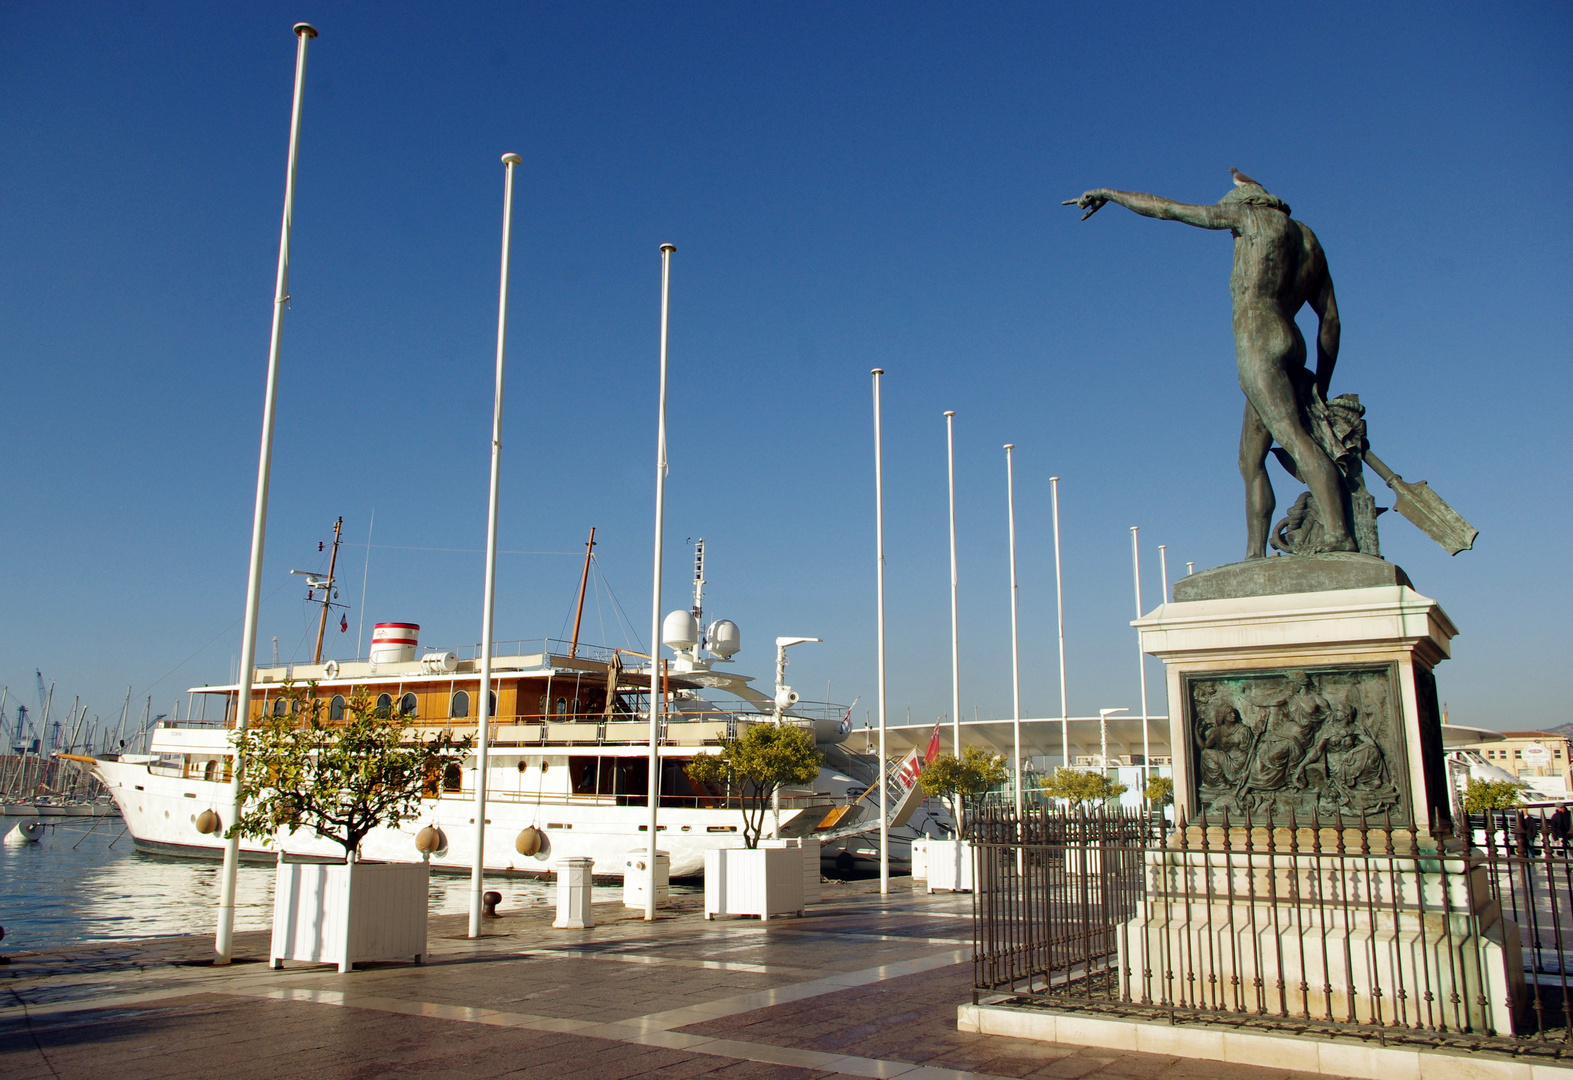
column 1561, row 729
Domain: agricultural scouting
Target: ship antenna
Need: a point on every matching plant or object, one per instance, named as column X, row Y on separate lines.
column 699, row 584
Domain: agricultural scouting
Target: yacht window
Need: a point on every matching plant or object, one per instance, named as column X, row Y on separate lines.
column 562, row 706
column 407, row 705
column 336, row 709
column 384, row 703
column 452, row 777
column 210, row 771
column 280, row 706
column 459, row 705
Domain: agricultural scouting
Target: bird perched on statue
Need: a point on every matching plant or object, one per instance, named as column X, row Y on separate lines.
column 1240, row 179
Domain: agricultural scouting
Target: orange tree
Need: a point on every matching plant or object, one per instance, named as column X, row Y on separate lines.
column 339, row 780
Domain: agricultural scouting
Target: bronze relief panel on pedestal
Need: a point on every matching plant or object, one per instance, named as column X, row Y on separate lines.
column 1306, row 742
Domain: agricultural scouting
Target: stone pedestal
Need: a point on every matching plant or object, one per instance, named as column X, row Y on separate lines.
column 1316, row 872
column 1306, row 703
column 575, row 878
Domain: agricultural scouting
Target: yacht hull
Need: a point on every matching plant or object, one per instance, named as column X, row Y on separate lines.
column 161, row 812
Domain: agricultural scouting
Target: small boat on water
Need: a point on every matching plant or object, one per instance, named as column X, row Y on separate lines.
column 44, row 807
column 568, row 756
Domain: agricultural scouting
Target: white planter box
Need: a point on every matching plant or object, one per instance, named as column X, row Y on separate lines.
column 950, row 865
column 347, row 914
column 763, row 882
column 809, row 846
column 920, row 859
column 636, row 877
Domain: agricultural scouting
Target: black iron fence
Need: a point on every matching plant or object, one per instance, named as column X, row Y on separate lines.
column 1345, row 926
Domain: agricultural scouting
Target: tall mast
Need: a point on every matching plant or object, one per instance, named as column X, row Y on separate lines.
column 327, row 592
column 488, row 609
column 584, row 580
column 653, row 791
column 223, row 937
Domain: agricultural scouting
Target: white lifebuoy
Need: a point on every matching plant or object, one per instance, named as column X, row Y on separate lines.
column 331, row 669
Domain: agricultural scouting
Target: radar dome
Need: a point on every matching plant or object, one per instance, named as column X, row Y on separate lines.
column 680, row 630
column 724, row 639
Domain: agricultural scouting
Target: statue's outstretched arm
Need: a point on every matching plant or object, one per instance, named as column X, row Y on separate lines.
column 1156, row 206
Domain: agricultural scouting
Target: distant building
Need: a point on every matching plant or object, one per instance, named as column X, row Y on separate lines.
column 1540, row 759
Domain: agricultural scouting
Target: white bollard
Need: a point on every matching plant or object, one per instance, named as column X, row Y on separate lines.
column 573, row 894
column 636, row 877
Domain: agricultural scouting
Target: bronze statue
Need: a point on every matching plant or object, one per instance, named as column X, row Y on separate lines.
column 1279, row 267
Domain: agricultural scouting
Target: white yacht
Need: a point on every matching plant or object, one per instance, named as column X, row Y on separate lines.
column 568, row 756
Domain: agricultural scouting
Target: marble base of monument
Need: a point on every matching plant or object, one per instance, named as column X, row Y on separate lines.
column 1317, row 874
column 1394, row 941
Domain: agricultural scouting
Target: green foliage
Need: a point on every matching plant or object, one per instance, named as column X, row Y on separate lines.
column 1481, row 796
column 960, row 780
column 1159, row 791
column 1082, row 785
column 339, row 780
column 754, row 766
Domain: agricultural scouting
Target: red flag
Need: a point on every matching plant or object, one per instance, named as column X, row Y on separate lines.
column 909, row 770
column 344, row 624
column 933, row 748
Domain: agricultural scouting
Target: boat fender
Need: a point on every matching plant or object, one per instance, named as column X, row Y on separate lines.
column 431, row 841
column 26, row 832
column 528, row 841
column 208, row 823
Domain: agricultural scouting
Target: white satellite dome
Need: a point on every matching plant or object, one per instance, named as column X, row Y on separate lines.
column 724, row 639
column 680, row 630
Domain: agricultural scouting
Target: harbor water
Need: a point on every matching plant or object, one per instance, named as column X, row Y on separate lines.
column 85, row 881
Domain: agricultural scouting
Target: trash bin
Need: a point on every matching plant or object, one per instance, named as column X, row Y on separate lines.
column 636, row 877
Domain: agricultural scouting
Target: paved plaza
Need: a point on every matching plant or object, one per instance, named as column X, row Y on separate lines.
column 861, row 986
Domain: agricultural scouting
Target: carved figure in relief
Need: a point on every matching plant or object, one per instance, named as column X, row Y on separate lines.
column 1225, row 744
column 1291, row 725
column 1357, row 775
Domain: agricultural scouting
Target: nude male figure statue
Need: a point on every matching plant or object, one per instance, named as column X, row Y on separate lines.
column 1278, row 268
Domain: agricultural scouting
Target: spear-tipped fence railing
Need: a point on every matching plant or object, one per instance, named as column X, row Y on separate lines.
column 1390, row 932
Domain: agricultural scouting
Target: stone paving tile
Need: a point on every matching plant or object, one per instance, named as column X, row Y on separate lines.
column 201, row 1036
column 523, row 968
column 913, row 1018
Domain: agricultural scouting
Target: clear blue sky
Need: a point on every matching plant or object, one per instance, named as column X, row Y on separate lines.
column 848, row 186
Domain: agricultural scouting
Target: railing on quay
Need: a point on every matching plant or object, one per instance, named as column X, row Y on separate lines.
column 1339, row 926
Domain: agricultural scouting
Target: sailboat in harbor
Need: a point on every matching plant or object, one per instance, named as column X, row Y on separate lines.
column 566, row 767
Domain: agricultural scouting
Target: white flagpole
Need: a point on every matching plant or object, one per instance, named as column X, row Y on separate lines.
column 655, row 595
column 879, row 575
column 1163, row 570
column 955, row 627
column 1015, row 654
column 1141, row 662
column 488, row 610
column 1059, row 607
column 223, row 940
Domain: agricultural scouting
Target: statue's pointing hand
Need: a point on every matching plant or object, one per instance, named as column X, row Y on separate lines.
column 1090, row 201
